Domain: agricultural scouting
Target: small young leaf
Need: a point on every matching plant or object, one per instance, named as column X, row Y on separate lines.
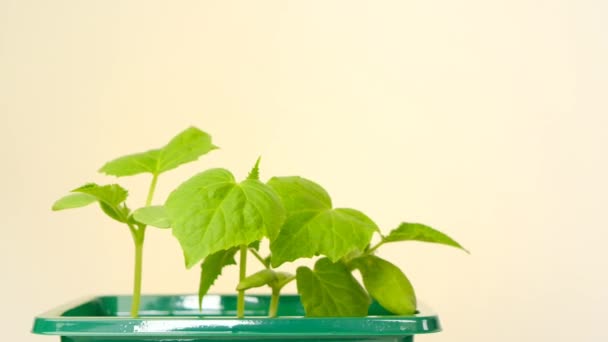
column 331, row 290
column 255, row 171
column 211, row 268
column 387, row 284
column 75, row 200
column 312, row 227
column 120, row 214
column 155, row 216
column 420, row 232
column 186, row 147
column 112, row 194
column 211, row 212
column 110, row 198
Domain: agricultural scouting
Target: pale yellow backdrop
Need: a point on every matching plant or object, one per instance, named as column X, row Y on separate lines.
column 486, row 119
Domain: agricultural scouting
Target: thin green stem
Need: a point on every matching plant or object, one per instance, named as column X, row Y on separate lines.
column 139, row 234
column 287, row 281
column 240, row 306
column 151, row 190
column 259, row 257
column 274, row 303
column 132, row 229
column 373, row 249
column 138, row 239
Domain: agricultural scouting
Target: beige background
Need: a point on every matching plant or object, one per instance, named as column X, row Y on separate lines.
column 486, row 119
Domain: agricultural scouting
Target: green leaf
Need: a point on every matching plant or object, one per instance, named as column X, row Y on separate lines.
column 155, row 216
column 331, row 290
column 265, row 277
column 300, row 194
column 420, row 232
column 112, row 194
column 211, row 269
column 387, row 284
column 120, row 214
column 75, row 200
column 255, row 245
column 211, row 212
column 312, row 227
column 110, row 198
column 255, row 171
column 186, row 147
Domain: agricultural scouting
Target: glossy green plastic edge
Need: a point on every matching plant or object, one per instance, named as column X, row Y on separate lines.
column 178, row 316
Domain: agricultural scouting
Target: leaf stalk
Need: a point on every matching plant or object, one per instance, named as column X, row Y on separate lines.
column 151, row 190
column 240, row 313
column 259, row 257
column 373, row 249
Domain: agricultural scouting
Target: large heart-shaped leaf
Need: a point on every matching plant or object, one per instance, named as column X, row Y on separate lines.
column 210, row 212
column 186, row 147
column 331, row 290
column 313, row 227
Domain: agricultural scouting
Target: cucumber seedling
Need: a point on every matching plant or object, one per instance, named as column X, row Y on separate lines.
column 186, row 147
column 214, row 217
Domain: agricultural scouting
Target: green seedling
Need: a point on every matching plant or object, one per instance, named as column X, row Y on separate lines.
column 186, row 147
column 342, row 238
column 214, row 217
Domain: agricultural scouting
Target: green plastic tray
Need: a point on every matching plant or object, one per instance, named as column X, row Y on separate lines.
column 171, row 318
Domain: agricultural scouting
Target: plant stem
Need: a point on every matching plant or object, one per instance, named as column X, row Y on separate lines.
column 371, row 250
column 138, row 239
column 259, row 257
column 139, row 235
column 240, row 311
column 151, row 190
column 274, row 303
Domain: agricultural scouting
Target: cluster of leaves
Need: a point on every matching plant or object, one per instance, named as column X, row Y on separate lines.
column 186, row 147
column 214, row 217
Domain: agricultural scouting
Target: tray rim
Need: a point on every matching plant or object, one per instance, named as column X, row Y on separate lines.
column 53, row 322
